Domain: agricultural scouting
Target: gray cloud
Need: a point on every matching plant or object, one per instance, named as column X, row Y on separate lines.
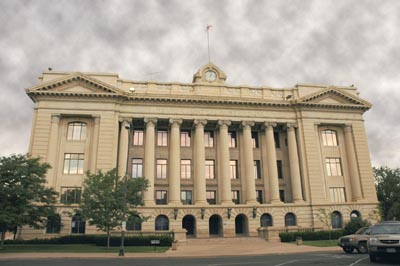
column 273, row 43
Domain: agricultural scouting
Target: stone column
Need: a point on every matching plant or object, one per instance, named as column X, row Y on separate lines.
column 123, row 147
column 53, row 147
column 271, row 162
column 149, row 160
column 352, row 162
column 199, row 163
column 95, row 139
column 249, row 163
column 226, row 193
column 174, row 158
column 297, row 195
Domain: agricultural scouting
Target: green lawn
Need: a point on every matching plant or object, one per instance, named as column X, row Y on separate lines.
column 320, row 243
column 75, row 248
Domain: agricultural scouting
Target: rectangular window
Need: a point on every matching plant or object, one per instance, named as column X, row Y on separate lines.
column 279, row 167
column 235, row 196
column 277, row 140
column 185, row 138
column 254, row 138
column 186, row 169
column 161, row 197
column 209, row 172
column 333, row 167
column 70, row 195
column 186, row 197
column 282, row 195
column 209, row 139
column 137, row 168
column 73, row 163
column 259, row 194
column 337, row 194
column 211, row 197
column 162, row 138
column 162, row 168
column 232, row 139
column 233, row 169
column 76, row 131
column 138, row 137
column 257, row 169
column 329, row 137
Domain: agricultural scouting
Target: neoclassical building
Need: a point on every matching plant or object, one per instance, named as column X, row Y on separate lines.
column 221, row 160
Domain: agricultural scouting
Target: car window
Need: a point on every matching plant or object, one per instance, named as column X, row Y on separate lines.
column 386, row 229
column 361, row 231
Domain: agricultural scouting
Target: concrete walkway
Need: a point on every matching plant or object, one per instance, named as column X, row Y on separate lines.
column 194, row 248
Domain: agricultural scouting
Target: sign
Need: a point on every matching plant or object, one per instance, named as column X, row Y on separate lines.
column 155, row 242
column 123, row 226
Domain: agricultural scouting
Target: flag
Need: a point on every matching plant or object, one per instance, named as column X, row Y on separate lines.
column 208, row 27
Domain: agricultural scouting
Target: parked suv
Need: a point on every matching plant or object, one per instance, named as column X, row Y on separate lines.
column 357, row 241
column 384, row 240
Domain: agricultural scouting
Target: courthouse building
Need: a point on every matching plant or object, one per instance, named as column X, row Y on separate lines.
column 221, row 160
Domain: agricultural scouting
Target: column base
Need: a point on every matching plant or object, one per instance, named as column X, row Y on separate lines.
column 175, row 203
column 277, row 201
column 201, row 203
column 298, row 201
column 252, row 202
column 149, row 203
column 226, row 203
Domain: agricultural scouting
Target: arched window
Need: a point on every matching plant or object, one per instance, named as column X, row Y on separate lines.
column 162, row 223
column 78, row 224
column 329, row 137
column 53, row 225
column 266, row 220
column 355, row 214
column 290, row 219
column 134, row 223
column 336, row 220
column 76, row 131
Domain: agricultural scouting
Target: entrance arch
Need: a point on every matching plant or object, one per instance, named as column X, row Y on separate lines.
column 241, row 225
column 215, row 225
column 189, row 223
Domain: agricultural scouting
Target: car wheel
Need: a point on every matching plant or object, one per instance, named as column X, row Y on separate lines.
column 372, row 257
column 362, row 248
column 348, row 250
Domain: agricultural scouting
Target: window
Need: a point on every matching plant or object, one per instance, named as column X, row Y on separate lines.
column 137, row 168
column 336, row 220
column 235, row 196
column 161, row 197
column 282, row 195
column 233, row 169
column 53, row 225
column 208, row 139
column 333, row 167
column 337, row 194
column 211, row 197
column 76, row 131
column 162, row 223
column 70, row 195
column 162, row 168
column 138, row 137
column 355, row 214
column 73, row 163
column 161, row 138
column 210, row 169
column 279, row 167
column 277, row 140
column 266, row 220
column 254, row 138
column 232, row 139
column 134, row 223
column 257, row 169
column 185, row 138
column 329, row 137
column 186, row 169
column 186, row 197
column 290, row 219
column 259, row 194
column 78, row 224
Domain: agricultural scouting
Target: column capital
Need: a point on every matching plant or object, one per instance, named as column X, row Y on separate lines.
column 174, row 121
column 224, row 123
column 96, row 119
column 55, row 118
column 348, row 128
column 202, row 122
column 151, row 120
column 247, row 124
column 268, row 124
column 291, row 125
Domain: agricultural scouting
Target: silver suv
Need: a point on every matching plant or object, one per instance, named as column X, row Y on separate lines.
column 357, row 241
column 384, row 240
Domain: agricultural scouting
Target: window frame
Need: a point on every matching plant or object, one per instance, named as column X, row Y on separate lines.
column 209, row 170
column 290, row 219
column 53, row 224
column 329, row 138
column 186, row 169
column 161, row 225
column 161, row 169
column 255, row 139
column 257, row 169
column 232, row 137
column 233, row 169
column 72, row 127
column 162, row 138
column 76, row 197
column 210, row 200
column 236, row 196
column 209, row 139
column 266, row 220
column 185, row 200
column 138, row 137
column 185, row 138
column 78, row 163
column 333, row 166
column 161, row 197
column 138, row 166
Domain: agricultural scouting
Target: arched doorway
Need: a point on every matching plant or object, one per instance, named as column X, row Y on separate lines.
column 189, row 223
column 241, row 225
column 215, row 225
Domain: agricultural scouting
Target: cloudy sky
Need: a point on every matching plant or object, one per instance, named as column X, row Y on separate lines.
column 273, row 43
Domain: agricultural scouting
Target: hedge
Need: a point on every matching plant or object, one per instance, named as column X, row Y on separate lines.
column 317, row 235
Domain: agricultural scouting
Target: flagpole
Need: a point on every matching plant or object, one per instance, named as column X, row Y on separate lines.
column 208, row 43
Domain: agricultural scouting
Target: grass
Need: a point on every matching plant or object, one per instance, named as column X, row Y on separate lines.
column 320, row 243
column 76, row 248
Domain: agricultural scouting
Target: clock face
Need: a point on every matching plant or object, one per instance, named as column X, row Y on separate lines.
column 210, row 75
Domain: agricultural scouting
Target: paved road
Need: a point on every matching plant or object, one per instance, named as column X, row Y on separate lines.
column 314, row 259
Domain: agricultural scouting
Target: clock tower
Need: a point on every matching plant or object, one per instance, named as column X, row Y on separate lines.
column 209, row 73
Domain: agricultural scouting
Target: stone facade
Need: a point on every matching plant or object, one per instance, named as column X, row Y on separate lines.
column 277, row 151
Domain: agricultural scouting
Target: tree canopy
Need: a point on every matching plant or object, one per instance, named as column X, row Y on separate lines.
column 24, row 197
column 388, row 189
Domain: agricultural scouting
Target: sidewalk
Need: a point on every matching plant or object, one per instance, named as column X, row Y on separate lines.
column 194, row 248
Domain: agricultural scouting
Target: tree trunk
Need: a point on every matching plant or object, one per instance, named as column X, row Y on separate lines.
column 108, row 238
column 3, row 236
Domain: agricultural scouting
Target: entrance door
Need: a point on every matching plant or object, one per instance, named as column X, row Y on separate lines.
column 215, row 225
column 188, row 223
column 240, row 224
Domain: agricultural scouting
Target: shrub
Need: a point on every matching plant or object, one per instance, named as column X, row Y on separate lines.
column 354, row 224
column 317, row 235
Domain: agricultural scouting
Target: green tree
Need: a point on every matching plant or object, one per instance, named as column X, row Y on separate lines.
column 325, row 216
column 24, row 197
column 102, row 202
column 388, row 189
column 354, row 224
